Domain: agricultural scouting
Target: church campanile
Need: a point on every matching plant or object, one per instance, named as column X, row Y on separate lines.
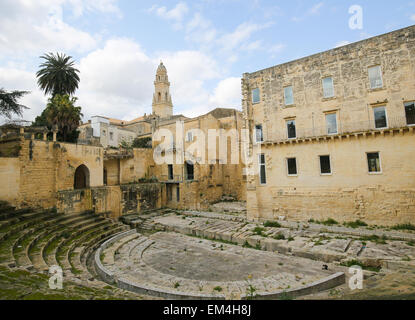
column 162, row 105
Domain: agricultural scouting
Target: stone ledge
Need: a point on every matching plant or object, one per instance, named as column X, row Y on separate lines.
column 332, row 281
column 107, row 275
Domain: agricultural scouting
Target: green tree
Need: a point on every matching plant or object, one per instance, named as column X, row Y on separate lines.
column 142, row 143
column 58, row 75
column 9, row 103
column 61, row 112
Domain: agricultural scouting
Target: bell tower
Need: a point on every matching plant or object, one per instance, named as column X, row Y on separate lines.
column 162, row 105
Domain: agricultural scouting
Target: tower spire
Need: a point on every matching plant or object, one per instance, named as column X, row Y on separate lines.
column 162, row 104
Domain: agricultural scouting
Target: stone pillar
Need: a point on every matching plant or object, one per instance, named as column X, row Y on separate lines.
column 45, row 136
column 54, row 136
column 22, row 131
column 32, row 136
column 252, row 204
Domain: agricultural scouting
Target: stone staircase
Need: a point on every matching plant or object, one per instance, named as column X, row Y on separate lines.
column 35, row 240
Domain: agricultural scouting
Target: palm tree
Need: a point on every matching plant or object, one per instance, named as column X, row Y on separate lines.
column 61, row 112
column 57, row 75
column 9, row 104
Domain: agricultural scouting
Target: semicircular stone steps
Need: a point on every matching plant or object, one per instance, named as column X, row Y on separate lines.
column 36, row 240
column 75, row 247
column 37, row 247
column 76, row 230
column 22, row 247
column 12, row 235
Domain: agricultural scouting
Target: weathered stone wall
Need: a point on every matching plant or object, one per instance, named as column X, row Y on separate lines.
column 350, row 192
column 10, row 179
column 44, row 167
column 211, row 180
column 115, row 200
column 139, row 167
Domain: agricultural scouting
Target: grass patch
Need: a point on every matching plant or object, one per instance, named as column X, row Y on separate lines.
column 374, row 238
column 218, row 289
column 329, row 222
column 406, row 226
column 355, row 224
column 272, row 224
column 176, row 285
column 351, row 263
column 279, row 237
column 247, row 245
column 259, row 231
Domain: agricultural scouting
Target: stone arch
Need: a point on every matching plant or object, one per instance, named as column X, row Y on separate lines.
column 81, row 178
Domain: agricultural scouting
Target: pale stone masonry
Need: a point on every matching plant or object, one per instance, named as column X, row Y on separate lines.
column 336, row 134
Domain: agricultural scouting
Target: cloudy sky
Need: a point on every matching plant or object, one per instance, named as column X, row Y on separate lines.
column 206, row 45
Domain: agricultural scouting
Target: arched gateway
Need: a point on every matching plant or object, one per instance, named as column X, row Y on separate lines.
column 81, row 179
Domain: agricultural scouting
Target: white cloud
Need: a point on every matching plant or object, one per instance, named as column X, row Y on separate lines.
column 123, row 87
column 316, row 8
column 28, row 27
column 107, row 6
column 276, row 48
column 188, row 73
column 242, row 33
column 175, row 15
column 342, row 43
column 201, row 31
column 116, row 87
column 227, row 93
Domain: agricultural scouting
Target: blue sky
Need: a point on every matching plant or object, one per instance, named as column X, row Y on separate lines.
column 206, row 45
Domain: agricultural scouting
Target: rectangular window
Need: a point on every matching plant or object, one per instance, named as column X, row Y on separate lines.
column 255, row 96
column 111, row 136
column 325, row 165
column 328, row 87
column 288, row 96
column 259, row 137
column 380, row 117
column 291, row 131
column 410, row 113
column 189, row 136
column 178, row 194
column 190, row 171
column 262, row 169
column 331, row 122
column 373, row 161
column 292, row 166
column 170, row 166
column 375, row 77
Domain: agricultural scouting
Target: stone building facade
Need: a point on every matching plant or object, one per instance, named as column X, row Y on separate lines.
column 334, row 134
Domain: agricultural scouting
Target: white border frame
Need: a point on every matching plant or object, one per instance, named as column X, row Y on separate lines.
column 259, row 168
column 380, row 163
column 296, row 165
column 381, row 77
column 386, row 116
column 331, row 167
column 332, row 82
